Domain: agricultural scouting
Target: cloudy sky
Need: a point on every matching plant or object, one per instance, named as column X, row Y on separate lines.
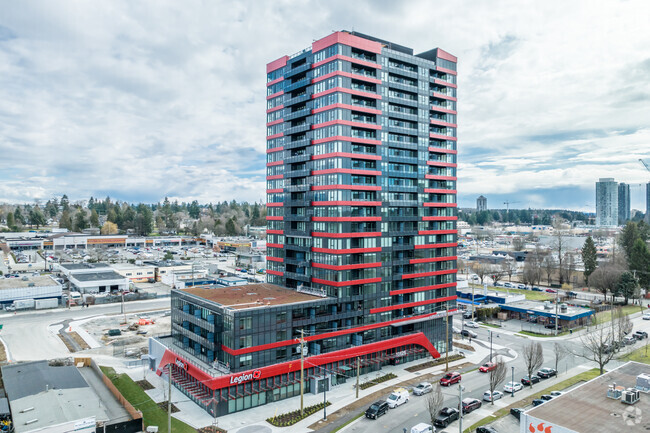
column 145, row 99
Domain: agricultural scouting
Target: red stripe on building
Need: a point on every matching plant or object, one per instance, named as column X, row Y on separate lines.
column 347, row 59
column 427, row 246
column 274, row 245
column 444, row 83
column 439, row 204
column 347, row 107
column 344, row 90
column 275, row 122
column 337, row 219
column 274, row 259
column 346, row 74
column 277, row 64
column 345, row 235
column 433, row 259
column 429, row 274
column 275, row 232
column 443, row 110
column 445, row 70
column 347, row 155
column 421, row 289
column 442, row 137
column 278, row 135
column 439, row 191
column 439, row 218
column 273, row 191
column 442, row 164
column 411, row 304
column 346, row 283
column 348, row 39
column 346, row 267
column 268, row 271
column 437, row 232
column 344, row 251
column 275, row 176
column 271, row 110
column 346, row 123
column 351, row 187
column 443, row 96
column 441, row 123
column 344, row 138
column 275, row 149
column 278, row 204
column 274, row 163
column 345, row 203
column 441, row 150
column 277, row 80
column 346, row 170
column 436, row 177
column 274, row 218
column 275, row 95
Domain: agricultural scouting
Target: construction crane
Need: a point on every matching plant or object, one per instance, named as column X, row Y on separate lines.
column 507, row 203
column 644, row 164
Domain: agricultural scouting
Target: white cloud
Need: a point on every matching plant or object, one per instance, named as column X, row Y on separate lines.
column 145, row 99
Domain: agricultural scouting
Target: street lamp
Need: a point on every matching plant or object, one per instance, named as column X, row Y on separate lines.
column 490, row 345
column 513, row 381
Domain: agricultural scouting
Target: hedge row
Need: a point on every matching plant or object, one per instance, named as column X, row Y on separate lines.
column 290, row 418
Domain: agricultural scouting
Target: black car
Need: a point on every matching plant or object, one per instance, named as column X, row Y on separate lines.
column 538, row 401
column 528, row 381
column 468, row 333
column 546, row 397
column 545, row 373
column 377, row 409
column 640, row 335
column 469, row 404
column 467, row 315
column 446, row 416
column 516, row 412
column 486, row 429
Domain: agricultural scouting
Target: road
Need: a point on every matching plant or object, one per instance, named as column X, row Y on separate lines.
column 32, row 335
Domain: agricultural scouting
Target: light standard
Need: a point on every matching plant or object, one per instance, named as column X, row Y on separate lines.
column 513, row 381
column 490, row 345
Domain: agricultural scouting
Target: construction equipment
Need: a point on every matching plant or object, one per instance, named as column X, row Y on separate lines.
column 647, row 167
column 508, row 203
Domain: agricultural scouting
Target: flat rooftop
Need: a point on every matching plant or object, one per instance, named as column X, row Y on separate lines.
column 537, row 308
column 98, row 276
column 80, row 266
column 588, row 409
column 251, row 295
column 38, row 281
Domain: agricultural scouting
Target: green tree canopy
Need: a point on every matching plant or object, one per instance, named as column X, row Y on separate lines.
column 589, row 258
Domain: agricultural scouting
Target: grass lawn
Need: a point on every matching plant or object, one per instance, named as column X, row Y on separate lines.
column 606, row 316
column 491, row 325
column 530, row 295
column 582, row 377
column 151, row 413
column 535, row 334
column 348, row 422
column 638, row 355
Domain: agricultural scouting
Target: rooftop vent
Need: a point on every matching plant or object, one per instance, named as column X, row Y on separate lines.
column 630, row 396
column 614, row 391
column 564, row 308
column 643, row 382
column 547, row 305
column 251, row 293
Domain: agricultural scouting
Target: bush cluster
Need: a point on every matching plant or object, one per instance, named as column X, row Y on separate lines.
column 290, row 418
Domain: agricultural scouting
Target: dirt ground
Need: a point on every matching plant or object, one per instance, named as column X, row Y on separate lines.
column 99, row 328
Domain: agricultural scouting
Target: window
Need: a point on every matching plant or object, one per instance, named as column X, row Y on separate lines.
column 280, row 353
column 280, row 335
column 245, row 361
column 245, row 323
column 281, row 318
column 246, row 341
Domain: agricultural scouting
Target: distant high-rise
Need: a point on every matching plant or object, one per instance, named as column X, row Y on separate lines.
column 606, row 202
column 481, row 203
column 647, row 203
column 623, row 203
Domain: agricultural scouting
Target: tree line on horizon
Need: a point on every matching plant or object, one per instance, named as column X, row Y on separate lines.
column 112, row 217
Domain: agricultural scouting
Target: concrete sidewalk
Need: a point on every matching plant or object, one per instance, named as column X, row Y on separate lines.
column 254, row 420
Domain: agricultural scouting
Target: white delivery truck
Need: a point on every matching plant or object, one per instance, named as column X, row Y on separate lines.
column 397, row 398
column 423, row 428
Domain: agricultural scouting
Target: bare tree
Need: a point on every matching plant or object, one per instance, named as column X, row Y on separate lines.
column 569, row 267
column 597, row 345
column 517, row 243
column 559, row 246
column 560, row 352
column 532, row 273
column 533, row 357
column 497, row 376
column 510, row 266
column 435, row 400
column 548, row 263
column 481, row 270
column 605, row 278
column 496, row 273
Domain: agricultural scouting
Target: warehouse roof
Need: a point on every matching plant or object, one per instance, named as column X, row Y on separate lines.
column 98, row 276
column 80, row 266
column 251, row 295
column 537, row 308
column 37, row 281
column 33, row 377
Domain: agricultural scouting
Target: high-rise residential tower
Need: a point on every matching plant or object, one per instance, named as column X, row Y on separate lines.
column 623, row 203
column 481, row 203
column 606, row 203
column 647, row 203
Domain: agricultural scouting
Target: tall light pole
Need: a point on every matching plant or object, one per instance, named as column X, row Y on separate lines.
column 490, row 345
column 460, row 406
column 513, row 381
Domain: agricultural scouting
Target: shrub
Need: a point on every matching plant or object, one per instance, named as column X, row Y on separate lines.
column 290, row 418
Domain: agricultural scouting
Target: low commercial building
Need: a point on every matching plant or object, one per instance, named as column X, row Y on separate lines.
column 69, row 269
column 238, row 347
column 57, row 399
column 488, row 296
column 136, row 273
column 29, row 287
column 546, row 313
column 99, row 282
column 617, row 401
column 167, row 267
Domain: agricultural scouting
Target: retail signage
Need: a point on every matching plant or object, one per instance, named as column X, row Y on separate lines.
column 181, row 364
column 246, row 377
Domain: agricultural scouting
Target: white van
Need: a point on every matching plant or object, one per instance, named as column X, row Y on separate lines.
column 423, row 428
column 397, row 398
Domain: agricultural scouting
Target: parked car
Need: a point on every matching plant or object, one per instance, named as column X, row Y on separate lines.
column 495, row 395
column 521, row 286
column 517, row 411
column 572, row 294
column 545, row 373
column 538, row 401
column 470, row 404
column 528, row 381
column 422, row 388
column 546, row 397
column 397, row 398
column 536, row 289
column 450, row 378
column 629, row 339
column 488, row 366
column 551, row 291
column 467, row 315
column 468, row 333
column 646, row 316
column 423, row 428
column 446, row 416
column 552, row 326
column 640, row 335
column 377, row 409
column 556, row 393
column 470, row 324
column 486, row 429
column 509, row 285
column 512, row 386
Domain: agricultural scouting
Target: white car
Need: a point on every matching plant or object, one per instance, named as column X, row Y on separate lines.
column 512, row 386
column 470, row 324
column 646, row 316
column 495, row 395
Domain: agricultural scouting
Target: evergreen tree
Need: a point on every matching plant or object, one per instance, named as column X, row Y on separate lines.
column 629, row 235
column 11, row 223
column 230, row 227
column 626, row 286
column 65, row 203
column 80, row 222
column 37, row 218
column 194, row 210
column 94, row 218
column 589, row 258
column 65, row 222
column 18, row 216
column 639, row 261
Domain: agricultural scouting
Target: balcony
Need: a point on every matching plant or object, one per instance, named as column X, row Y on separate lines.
column 297, row 173
column 297, row 129
column 295, row 71
column 297, row 188
column 298, row 143
column 298, row 99
column 297, row 158
column 298, row 84
column 195, row 320
column 297, row 114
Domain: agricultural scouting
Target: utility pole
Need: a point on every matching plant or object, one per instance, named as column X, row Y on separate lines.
column 169, row 396
column 557, row 294
column 460, row 418
column 123, row 309
column 447, row 338
column 357, row 387
column 302, row 369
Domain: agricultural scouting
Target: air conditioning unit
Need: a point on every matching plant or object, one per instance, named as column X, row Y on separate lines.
column 614, row 391
column 630, row 396
column 643, row 382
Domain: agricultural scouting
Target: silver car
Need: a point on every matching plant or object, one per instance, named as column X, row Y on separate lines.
column 495, row 395
column 422, row 388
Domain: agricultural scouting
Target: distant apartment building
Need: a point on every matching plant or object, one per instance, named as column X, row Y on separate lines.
column 606, row 202
column 623, row 203
column 647, row 203
column 481, row 203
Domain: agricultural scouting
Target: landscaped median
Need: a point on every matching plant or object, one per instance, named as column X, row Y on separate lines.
column 151, row 413
column 582, row 377
column 290, row 418
column 642, row 354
